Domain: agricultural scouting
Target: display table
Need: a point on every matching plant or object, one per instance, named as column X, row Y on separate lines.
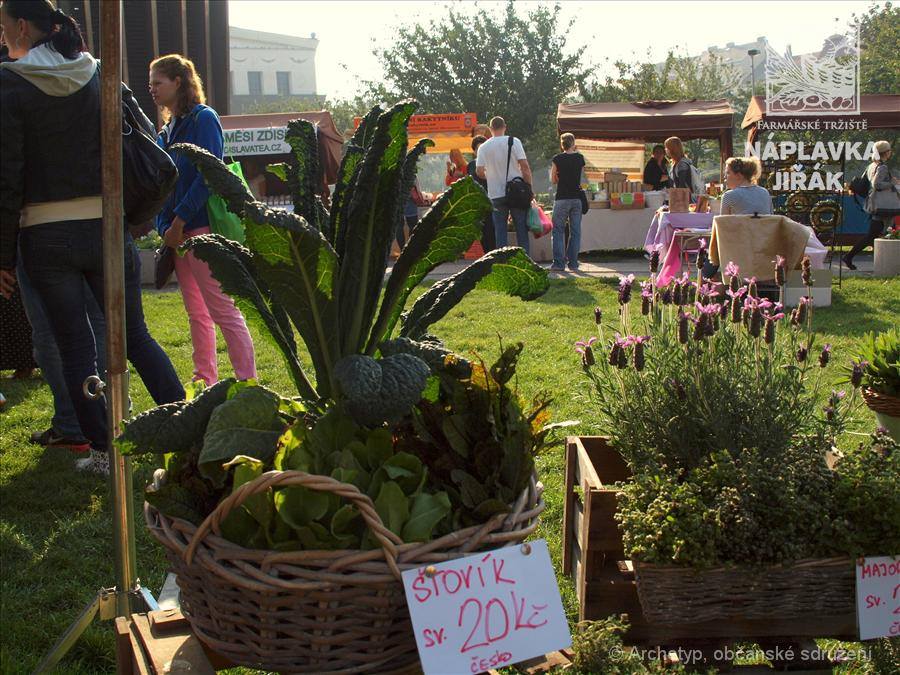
column 601, row 230
column 660, row 236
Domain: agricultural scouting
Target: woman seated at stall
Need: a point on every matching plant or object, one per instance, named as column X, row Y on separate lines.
column 743, row 195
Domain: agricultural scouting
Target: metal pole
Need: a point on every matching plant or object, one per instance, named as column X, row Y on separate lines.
column 114, row 295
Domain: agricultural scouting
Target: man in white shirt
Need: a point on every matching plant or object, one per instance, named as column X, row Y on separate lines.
column 491, row 165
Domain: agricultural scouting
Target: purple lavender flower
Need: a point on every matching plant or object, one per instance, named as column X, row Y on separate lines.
column 667, row 296
column 625, row 284
column 639, row 341
column 701, row 327
column 825, row 355
column 680, row 392
column 581, row 345
column 598, row 315
column 708, row 292
column 779, row 270
column 654, row 259
column 751, row 287
column 733, row 272
column 769, row 335
column 802, row 353
column 856, row 372
column 806, row 271
column 702, row 254
column 683, row 327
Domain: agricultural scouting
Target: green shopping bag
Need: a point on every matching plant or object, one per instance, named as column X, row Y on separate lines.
column 221, row 220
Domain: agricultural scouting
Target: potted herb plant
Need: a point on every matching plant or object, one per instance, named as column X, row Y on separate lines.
column 739, row 507
column 881, row 377
column 289, row 518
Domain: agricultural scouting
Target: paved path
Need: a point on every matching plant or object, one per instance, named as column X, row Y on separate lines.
column 636, row 266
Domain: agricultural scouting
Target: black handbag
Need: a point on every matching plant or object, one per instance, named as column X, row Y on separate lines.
column 518, row 192
column 585, row 207
column 148, row 173
column 164, row 260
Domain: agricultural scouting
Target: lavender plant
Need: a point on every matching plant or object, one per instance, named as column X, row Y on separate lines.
column 714, row 401
column 693, row 369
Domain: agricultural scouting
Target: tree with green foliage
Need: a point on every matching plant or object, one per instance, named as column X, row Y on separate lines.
column 515, row 65
column 343, row 110
column 879, row 37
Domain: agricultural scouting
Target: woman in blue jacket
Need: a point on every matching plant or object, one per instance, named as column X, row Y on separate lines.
column 177, row 89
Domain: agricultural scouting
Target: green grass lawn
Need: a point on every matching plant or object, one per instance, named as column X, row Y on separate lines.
column 55, row 523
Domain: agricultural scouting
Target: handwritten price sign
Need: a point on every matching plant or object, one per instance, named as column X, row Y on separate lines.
column 878, row 597
column 486, row 610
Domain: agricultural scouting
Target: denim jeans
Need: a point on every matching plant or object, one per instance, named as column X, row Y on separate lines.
column 58, row 259
column 566, row 210
column 46, row 354
column 520, row 218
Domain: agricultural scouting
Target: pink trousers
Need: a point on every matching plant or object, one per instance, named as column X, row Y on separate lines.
column 207, row 307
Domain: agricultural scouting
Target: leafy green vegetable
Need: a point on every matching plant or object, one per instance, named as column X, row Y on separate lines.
column 443, row 234
column 247, row 424
column 374, row 211
column 373, row 391
column 303, row 169
column 407, row 422
column 173, row 427
column 508, row 270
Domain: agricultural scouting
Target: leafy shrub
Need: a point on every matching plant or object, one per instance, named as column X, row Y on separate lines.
column 881, row 356
column 714, row 405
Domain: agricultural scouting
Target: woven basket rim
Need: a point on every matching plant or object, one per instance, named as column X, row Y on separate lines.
column 178, row 534
column 879, row 402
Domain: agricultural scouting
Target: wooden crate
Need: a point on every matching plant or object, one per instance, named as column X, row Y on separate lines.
column 604, row 580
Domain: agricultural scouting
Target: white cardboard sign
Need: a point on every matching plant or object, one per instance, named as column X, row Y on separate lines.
column 878, row 597
column 487, row 610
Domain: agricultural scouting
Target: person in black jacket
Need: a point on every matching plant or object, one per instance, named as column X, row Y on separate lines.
column 656, row 173
column 51, row 206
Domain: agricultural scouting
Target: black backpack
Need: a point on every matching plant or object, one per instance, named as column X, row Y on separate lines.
column 148, row 175
column 518, row 192
column 861, row 186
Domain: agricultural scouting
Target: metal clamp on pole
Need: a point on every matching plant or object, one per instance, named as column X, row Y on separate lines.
column 93, row 387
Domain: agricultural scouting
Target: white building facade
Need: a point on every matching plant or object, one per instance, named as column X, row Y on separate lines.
column 268, row 67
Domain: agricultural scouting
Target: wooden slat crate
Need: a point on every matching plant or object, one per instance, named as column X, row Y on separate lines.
column 604, row 581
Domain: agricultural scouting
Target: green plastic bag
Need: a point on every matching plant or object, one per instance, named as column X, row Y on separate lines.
column 221, row 220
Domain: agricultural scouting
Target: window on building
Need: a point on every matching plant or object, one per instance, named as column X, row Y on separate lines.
column 254, row 82
column 283, row 82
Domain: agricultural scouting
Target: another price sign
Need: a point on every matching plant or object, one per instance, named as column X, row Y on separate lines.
column 878, row 597
column 487, row 610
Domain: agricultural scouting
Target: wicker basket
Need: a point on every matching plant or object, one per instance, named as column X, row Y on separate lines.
column 672, row 594
column 882, row 403
column 315, row 611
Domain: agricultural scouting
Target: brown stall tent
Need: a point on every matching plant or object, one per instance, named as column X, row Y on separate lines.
column 879, row 111
column 263, row 135
column 650, row 121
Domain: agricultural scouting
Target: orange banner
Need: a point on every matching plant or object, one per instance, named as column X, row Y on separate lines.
column 424, row 124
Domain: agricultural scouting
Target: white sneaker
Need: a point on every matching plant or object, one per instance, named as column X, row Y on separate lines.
column 96, row 462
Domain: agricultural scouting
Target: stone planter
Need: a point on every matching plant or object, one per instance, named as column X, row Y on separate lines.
column 887, row 257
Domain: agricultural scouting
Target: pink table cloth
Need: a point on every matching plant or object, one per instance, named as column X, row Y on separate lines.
column 660, row 237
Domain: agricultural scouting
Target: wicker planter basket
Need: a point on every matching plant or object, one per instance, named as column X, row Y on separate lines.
column 882, row 403
column 314, row 611
column 886, row 409
column 672, row 594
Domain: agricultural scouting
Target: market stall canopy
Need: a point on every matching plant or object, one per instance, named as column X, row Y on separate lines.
column 248, row 135
column 648, row 120
column 879, row 111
